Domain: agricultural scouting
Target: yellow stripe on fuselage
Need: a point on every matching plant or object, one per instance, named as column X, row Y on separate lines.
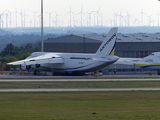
column 113, row 51
column 141, row 64
column 147, row 64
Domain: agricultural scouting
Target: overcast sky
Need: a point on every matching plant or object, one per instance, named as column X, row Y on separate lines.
column 107, row 9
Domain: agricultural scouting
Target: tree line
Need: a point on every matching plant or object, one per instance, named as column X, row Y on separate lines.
column 13, row 53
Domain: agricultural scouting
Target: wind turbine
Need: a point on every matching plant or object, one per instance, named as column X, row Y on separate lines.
column 1, row 18
column 120, row 18
column 39, row 21
column 102, row 19
column 149, row 20
column 56, row 19
column 50, row 17
column 7, row 19
column 21, row 18
column 142, row 13
column 89, row 18
column 16, row 16
column 24, row 19
column 34, row 12
column 135, row 21
column 81, row 16
column 70, row 12
column 94, row 19
column 125, row 20
column 128, row 18
column 62, row 22
column 30, row 22
column 10, row 13
column 158, row 18
column 111, row 21
column 97, row 13
column 153, row 21
column 115, row 18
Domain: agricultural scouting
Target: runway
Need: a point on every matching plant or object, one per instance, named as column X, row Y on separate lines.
column 39, row 79
column 80, row 89
column 70, row 80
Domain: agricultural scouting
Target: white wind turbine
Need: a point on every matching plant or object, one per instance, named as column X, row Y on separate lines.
column 70, row 12
column 24, row 25
column 34, row 12
column 128, row 18
column 89, row 18
column 115, row 18
column 142, row 13
column 149, row 20
column 81, row 13
column 50, row 14
column 158, row 18
column 56, row 19
column 16, row 20
column 1, row 18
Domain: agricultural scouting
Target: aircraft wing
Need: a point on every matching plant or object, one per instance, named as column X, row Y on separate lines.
column 42, row 59
column 128, row 61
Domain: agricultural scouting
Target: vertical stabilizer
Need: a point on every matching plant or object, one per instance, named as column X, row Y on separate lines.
column 108, row 45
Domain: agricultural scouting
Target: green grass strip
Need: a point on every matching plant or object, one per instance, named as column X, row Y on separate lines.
column 79, row 84
column 133, row 105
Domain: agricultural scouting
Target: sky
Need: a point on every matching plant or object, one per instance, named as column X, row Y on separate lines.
column 109, row 12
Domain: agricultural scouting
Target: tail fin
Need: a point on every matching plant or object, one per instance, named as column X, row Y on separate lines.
column 108, row 45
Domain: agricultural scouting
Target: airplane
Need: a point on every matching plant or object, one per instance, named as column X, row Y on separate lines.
column 151, row 61
column 72, row 63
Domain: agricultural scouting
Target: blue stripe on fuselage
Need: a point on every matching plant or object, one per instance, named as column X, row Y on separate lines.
column 150, row 66
column 66, row 68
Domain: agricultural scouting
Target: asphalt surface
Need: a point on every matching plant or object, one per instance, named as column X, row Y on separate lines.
column 63, row 80
column 109, row 76
column 80, row 89
column 6, row 78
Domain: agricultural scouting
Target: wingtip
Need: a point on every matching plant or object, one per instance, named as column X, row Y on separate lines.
column 9, row 63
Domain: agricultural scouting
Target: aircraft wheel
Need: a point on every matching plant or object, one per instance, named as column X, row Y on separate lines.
column 28, row 67
column 38, row 65
column 35, row 72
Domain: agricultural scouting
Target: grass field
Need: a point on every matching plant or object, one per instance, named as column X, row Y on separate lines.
column 133, row 105
column 127, row 105
column 80, row 84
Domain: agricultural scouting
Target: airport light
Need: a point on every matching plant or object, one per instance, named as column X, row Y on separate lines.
column 42, row 46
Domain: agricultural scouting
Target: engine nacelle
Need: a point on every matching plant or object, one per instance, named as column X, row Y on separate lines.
column 29, row 67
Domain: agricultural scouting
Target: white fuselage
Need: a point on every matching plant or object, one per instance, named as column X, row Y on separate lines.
column 75, row 62
column 151, row 62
